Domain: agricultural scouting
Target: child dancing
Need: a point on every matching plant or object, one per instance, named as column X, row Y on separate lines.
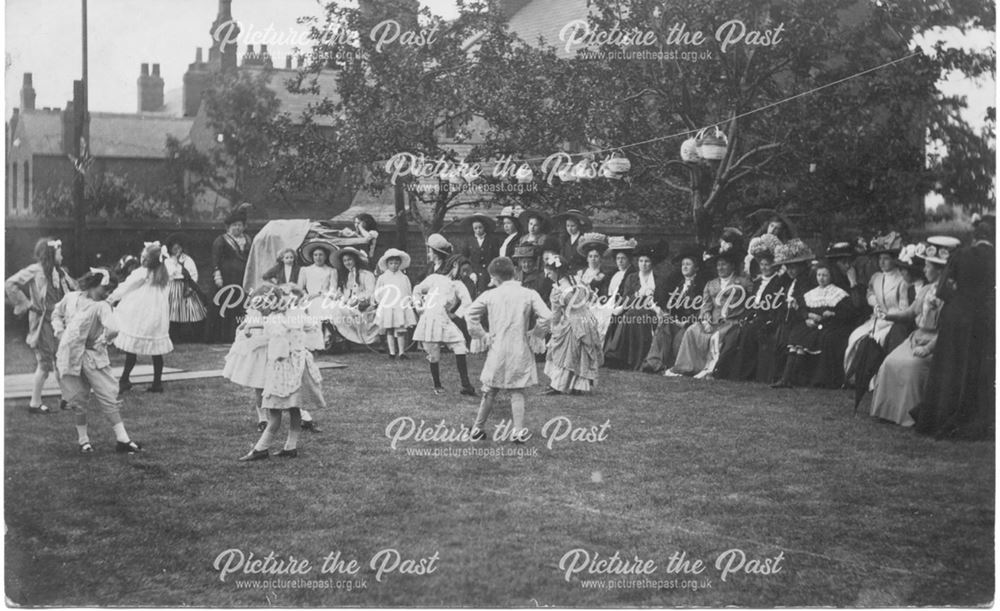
column 37, row 289
column 510, row 364
column 84, row 323
column 144, row 315
column 393, row 296
column 292, row 380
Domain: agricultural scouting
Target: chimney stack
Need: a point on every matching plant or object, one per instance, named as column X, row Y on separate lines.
column 302, row 61
column 27, row 94
column 265, row 57
column 288, row 62
column 198, row 57
column 150, row 89
column 196, row 80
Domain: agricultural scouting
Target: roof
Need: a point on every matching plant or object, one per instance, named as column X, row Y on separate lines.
column 135, row 135
column 545, row 19
column 43, row 131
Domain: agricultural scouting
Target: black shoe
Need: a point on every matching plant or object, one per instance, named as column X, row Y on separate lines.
column 551, row 391
column 469, row 391
column 255, row 455
column 261, row 426
column 309, row 425
column 39, row 409
column 402, row 356
column 127, row 447
column 124, row 385
column 155, row 388
column 287, row 453
column 478, row 435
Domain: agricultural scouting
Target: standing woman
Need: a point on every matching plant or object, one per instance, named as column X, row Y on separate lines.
column 575, row 223
column 900, row 382
column 187, row 311
column 887, row 294
column 633, row 336
column 538, row 226
column 511, row 226
column 229, row 263
column 144, row 315
column 481, row 248
column 575, row 351
column 37, row 289
column 622, row 250
column 960, row 400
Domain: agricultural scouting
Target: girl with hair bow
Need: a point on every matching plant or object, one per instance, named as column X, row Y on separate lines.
column 37, row 289
column 144, row 315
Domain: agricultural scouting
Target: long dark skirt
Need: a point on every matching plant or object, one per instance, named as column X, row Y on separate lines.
column 750, row 353
column 665, row 346
column 630, row 340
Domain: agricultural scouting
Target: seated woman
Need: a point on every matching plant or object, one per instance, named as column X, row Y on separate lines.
column 574, row 352
column 900, row 381
column 364, row 227
column 615, row 296
column 679, row 300
column 887, row 294
column 353, row 317
column 794, row 258
column 752, row 346
column 723, row 305
column 591, row 247
column 287, row 268
column 912, row 269
column 818, row 335
column 633, row 335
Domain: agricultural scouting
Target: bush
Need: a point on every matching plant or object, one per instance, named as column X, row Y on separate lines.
column 106, row 195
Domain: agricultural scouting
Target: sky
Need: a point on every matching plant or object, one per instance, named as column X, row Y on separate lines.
column 43, row 37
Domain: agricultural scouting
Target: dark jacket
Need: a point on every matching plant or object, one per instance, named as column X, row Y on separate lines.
column 277, row 274
column 480, row 257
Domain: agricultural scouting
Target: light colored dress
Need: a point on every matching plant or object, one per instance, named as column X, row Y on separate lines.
column 246, row 362
column 185, row 306
column 511, row 308
column 292, row 379
column 575, row 350
column 900, row 382
column 318, row 279
column 600, row 308
column 889, row 292
column 354, row 323
column 439, row 295
column 143, row 313
column 393, row 294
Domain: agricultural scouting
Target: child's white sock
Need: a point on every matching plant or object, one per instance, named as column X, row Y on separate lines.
column 81, row 434
column 120, row 433
column 390, row 343
column 273, row 424
column 295, row 427
column 517, row 411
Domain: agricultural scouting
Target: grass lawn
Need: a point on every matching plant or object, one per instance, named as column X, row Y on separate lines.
column 862, row 513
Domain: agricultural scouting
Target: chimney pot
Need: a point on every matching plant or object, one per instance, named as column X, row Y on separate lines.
column 263, row 49
column 145, row 69
column 288, row 61
column 198, row 56
column 156, row 69
column 27, row 79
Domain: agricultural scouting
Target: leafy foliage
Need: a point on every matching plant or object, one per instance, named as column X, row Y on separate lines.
column 106, row 195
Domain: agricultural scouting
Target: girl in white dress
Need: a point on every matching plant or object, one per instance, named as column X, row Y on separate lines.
column 144, row 315
column 246, row 362
column 393, row 296
column 353, row 315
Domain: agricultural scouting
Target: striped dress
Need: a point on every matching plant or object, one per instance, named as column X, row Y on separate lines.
column 185, row 306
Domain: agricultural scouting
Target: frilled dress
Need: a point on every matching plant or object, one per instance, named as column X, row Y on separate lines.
column 352, row 313
column 900, row 382
column 292, row 379
column 246, row 361
column 824, row 343
column 143, row 313
column 393, row 294
column 960, row 397
column 628, row 346
column 439, row 296
column 574, row 352
column 185, row 305
column 515, row 312
column 888, row 291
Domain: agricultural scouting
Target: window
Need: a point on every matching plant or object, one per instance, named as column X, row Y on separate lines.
column 27, row 186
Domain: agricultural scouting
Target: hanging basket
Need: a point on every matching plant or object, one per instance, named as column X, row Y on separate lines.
column 567, row 174
column 689, row 150
column 524, row 174
column 618, row 163
column 712, row 146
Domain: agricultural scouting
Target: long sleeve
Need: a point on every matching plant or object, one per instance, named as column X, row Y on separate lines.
column 59, row 316
column 707, row 302
column 17, row 288
column 474, row 314
column 108, row 320
column 872, row 301
column 543, row 315
column 192, row 269
column 464, row 298
column 134, row 281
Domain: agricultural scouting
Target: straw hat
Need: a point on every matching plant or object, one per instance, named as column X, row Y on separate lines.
column 394, row 252
column 439, row 244
column 620, row 244
column 350, row 250
column 512, row 213
column 592, row 241
column 764, row 244
column 938, row 249
column 793, row 251
column 306, row 250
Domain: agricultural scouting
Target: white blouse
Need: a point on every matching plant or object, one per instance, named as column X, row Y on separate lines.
column 318, row 279
column 174, row 267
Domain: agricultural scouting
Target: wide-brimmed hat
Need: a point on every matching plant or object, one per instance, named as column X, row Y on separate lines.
column 512, row 213
column 732, row 235
column 655, row 253
column 592, row 241
column 733, row 256
column 938, row 249
column 582, row 219
column 306, row 250
column 619, row 243
column 909, row 258
column 543, row 218
column 439, row 244
column 238, row 215
column 793, row 251
column 361, row 255
column 453, row 262
column 487, row 222
column 525, row 251
column 841, row 250
column 691, row 252
column 404, row 259
column 886, row 244
column 764, row 244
